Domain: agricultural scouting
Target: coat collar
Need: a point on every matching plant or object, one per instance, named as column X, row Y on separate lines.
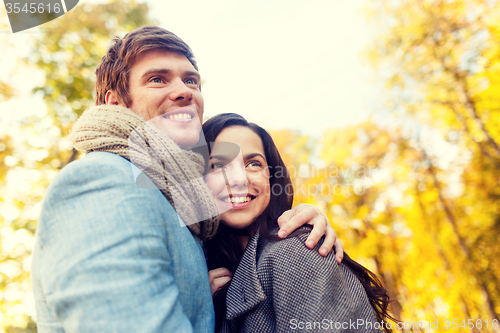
column 245, row 291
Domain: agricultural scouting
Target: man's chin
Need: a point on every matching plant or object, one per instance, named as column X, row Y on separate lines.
column 185, row 135
column 185, row 139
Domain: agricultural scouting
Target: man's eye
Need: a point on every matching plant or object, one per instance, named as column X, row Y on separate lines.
column 156, row 80
column 191, row 81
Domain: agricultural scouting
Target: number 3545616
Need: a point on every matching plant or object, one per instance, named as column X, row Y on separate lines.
column 33, row 8
column 470, row 324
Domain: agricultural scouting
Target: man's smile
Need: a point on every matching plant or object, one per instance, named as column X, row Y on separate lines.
column 184, row 114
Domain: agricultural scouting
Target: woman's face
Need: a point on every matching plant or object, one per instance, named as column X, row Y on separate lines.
column 240, row 186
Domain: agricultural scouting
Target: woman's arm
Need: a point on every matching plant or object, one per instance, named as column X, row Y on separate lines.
column 302, row 214
column 313, row 293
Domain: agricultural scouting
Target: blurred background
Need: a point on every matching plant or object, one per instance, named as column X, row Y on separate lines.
column 386, row 112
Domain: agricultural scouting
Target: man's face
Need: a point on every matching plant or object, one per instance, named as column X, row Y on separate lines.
column 165, row 89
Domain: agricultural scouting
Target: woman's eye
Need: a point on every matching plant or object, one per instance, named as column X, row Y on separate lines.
column 254, row 163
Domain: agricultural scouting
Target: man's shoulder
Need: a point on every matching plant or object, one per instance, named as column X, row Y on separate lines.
column 96, row 172
column 102, row 166
column 100, row 162
column 102, row 186
column 102, row 157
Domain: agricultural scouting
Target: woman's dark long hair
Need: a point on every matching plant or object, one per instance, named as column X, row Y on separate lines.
column 225, row 250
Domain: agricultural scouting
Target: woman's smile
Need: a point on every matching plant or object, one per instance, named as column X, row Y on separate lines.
column 236, row 201
column 239, row 182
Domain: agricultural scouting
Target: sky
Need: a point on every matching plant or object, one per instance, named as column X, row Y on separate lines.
column 279, row 63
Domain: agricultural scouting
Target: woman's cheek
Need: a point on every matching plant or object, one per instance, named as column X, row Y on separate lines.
column 214, row 182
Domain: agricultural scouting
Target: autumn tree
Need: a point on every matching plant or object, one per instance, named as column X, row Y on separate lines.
column 440, row 61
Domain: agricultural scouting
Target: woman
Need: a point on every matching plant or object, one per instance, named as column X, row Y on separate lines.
column 277, row 285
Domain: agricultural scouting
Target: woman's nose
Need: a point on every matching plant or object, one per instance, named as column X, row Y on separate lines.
column 237, row 176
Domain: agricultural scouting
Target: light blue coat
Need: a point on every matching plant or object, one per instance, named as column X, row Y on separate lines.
column 111, row 256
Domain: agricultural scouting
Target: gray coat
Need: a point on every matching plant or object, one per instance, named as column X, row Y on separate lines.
column 282, row 286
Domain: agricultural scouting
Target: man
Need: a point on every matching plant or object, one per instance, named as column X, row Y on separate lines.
column 110, row 256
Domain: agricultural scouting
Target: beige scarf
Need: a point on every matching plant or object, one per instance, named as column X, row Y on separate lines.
column 177, row 173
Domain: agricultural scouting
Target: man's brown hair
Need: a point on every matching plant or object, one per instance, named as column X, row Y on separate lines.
column 114, row 70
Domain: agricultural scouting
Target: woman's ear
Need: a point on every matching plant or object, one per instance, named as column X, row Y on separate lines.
column 111, row 98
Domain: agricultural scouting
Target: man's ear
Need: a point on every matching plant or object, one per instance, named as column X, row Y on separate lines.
column 111, row 98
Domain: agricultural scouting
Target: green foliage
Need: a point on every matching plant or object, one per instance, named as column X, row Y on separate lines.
column 71, row 47
column 34, row 149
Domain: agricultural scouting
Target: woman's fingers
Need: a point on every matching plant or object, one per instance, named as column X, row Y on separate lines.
column 339, row 251
column 282, row 222
column 218, row 277
column 320, row 229
column 329, row 242
column 294, row 218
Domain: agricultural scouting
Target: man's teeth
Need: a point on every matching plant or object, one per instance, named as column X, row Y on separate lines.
column 180, row 116
column 237, row 199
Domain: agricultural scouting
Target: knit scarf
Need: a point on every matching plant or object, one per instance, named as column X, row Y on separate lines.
column 175, row 172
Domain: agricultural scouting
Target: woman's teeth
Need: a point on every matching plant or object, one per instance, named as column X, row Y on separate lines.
column 180, row 116
column 237, row 199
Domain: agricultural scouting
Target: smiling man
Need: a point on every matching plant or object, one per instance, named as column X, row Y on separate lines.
column 110, row 254
column 165, row 88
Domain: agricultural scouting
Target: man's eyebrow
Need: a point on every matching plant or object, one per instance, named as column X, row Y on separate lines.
column 192, row 73
column 168, row 71
column 156, row 71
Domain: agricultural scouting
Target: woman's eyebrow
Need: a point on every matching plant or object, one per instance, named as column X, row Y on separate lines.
column 227, row 157
column 252, row 155
column 220, row 157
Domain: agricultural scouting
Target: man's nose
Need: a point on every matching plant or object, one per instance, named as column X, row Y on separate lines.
column 180, row 91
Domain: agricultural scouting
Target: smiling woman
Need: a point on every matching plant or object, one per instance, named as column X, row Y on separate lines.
column 240, row 186
column 275, row 282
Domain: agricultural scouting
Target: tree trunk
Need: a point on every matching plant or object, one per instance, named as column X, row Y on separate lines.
column 461, row 241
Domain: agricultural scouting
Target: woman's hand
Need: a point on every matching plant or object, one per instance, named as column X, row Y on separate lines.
column 218, row 277
column 304, row 213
